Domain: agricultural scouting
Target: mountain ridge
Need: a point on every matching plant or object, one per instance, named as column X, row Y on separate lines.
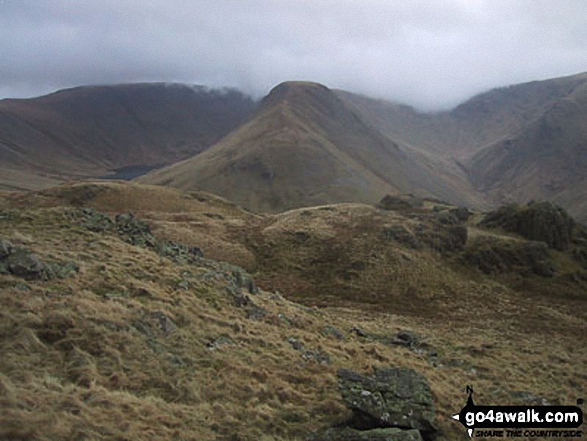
column 91, row 131
column 304, row 146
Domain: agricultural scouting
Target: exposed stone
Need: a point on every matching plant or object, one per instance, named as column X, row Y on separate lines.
column 392, row 397
column 25, row 264
column 183, row 284
column 540, row 221
column 331, row 331
column 96, row 221
column 315, row 356
column 358, row 331
column 242, row 279
column 219, row 342
column 165, row 323
column 407, row 338
column 5, row 249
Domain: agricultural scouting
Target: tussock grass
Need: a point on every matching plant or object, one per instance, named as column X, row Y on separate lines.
column 93, row 356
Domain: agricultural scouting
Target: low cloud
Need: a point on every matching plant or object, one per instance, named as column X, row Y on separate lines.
column 428, row 54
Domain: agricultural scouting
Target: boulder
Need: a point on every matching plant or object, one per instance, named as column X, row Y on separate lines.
column 390, row 398
column 27, row 265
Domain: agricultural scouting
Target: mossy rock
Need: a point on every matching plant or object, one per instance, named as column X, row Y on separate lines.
column 390, row 398
column 539, row 221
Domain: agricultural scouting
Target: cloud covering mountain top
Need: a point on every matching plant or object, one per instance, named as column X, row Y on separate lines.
column 428, row 54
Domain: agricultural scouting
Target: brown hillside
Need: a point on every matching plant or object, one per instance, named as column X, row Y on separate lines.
column 132, row 344
column 545, row 160
column 520, row 142
column 95, row 130
column 304, row 147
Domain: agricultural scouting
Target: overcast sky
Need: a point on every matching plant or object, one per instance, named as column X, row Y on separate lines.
column 428, row 53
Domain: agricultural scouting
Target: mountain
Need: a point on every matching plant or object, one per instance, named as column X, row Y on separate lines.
column 304, row 146
column 522, row 142
column 546, row 160
column 95, row 130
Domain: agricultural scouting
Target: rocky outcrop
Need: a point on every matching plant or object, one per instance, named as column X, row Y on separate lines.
column 136, row 232
column 400, row 203
column 391, row 404
column 539, row 221
column 22, row 262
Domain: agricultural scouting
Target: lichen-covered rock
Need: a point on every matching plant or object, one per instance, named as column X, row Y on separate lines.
column 540, row 221
column 95, row 221
column 392, row 397
column 27, row 265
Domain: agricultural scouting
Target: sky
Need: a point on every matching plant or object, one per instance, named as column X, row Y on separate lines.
column 431, row 54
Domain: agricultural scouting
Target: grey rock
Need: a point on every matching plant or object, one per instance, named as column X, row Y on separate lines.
column 5, row 249
column 540, row 221
column 25, row 264
column 166, row 324
column 392, row 397
column 358, row 331
column 183, row 284
column 219, row 342
column 331, row 331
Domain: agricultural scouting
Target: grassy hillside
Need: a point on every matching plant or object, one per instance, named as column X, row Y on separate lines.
column 304, row 147
column 516, row 143
column 546, row 160
column 135, row 337
column 95, row 130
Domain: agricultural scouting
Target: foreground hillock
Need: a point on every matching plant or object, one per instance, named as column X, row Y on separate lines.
column 177, row 322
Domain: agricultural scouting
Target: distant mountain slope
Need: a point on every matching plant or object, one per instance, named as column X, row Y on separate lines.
column 91, row 131
column 303, row 147
column 522, row 142
column 478, row 122
column 545, row 160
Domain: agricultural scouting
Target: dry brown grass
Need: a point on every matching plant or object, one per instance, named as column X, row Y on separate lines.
column 88, row 358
